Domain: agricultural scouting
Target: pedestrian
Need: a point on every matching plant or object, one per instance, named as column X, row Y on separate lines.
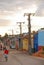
column 6, row 54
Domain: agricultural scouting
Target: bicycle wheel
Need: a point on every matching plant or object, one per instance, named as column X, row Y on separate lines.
column 6, row 59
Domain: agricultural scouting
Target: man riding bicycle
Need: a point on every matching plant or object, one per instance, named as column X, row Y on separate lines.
column 6, row 54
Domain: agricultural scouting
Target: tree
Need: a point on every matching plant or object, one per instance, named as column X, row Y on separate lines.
column 6, row 35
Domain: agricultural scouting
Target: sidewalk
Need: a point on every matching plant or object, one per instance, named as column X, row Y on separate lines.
column 26, row 53
column 39, row 54
column 35, row 55
column 18, row 51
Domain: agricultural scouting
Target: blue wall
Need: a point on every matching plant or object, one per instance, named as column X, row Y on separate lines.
column 41, row 38
column 36, row 42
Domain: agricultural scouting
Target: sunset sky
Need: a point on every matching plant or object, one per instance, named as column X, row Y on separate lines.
column 12, row 11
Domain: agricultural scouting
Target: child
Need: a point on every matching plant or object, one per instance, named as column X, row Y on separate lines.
column 6, row 54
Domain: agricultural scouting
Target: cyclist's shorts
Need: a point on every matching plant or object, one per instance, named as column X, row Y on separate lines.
column 5, row 55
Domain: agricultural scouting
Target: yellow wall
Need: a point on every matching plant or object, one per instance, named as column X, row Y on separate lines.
column 25, row 44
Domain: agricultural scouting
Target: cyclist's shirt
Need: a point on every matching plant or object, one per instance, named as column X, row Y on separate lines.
column 5, row 51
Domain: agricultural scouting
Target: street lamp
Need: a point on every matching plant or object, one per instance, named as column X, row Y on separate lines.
column 29, row 32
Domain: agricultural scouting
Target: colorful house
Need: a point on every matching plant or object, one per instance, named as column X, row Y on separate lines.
column 41, row 38
column 36, row 42
column 25, row 44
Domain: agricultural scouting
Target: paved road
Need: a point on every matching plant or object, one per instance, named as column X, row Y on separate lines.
column 18, row 58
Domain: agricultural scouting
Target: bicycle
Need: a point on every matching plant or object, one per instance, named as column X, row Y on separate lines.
column 6, row 58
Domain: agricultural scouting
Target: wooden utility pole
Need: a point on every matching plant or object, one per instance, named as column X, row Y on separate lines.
column 29, row 32
column 12, row 31
column 20, row 25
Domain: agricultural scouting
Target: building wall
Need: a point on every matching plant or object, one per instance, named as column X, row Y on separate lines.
column 36, row 42
column 25, row 44
column 41, row 38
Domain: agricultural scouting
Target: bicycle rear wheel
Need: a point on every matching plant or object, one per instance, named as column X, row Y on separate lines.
column 6, row 59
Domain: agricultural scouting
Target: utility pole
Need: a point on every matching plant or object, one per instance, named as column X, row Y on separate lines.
column 12, row 32
column 29, row 32
column 20, row 25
